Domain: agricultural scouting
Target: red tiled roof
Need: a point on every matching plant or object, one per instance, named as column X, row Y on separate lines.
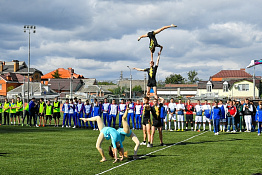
column 231, row 74
column 64, row 73
column 181, row 85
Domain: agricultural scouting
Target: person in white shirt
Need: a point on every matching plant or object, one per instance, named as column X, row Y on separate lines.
column 113, row 110
column 198, row 117
column 248, row 110
column 206, row 117
column 138, row 114
column 180, row 115
column 172, row 113
column 121, row 110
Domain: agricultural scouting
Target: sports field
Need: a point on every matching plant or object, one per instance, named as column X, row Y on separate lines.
column 49, row 150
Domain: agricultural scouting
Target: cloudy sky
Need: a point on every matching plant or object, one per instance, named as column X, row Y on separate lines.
column 99, row 38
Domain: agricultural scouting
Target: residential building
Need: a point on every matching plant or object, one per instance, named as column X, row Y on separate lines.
column 20, row 67
column 8, row 82
column 178, row 90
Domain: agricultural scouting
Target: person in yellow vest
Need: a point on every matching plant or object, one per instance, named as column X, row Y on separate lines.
column 26, row 114
column 1, row 113
column 19, row 109
column 6, row 112
column 12, row 106
column 56, row 111
column 48, row 112
column 42, row 106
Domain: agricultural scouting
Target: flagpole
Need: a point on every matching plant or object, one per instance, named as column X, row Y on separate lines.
column 254, row 85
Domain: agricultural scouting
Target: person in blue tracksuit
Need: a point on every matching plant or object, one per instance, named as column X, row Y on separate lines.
column 223, row 119
column 121, row 110
column 163, row 114
column 131, row 107
column 65, row 110
column 216, row 116
column 87, row 111
column 105, row 110
column 107, row 133
column 75, row 112
column 259, row 118
column 113, row 110
column 80, row 110
column 71, row 113
column 138, row 114
column 96, row 111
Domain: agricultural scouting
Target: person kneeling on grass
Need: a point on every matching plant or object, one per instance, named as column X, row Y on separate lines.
column 126, row 131
column 107, row 133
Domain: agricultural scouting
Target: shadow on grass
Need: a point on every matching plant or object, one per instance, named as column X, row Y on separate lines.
column 3, row 154
column 145, row 157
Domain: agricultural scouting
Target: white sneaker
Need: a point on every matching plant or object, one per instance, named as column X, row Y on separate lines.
column 62, row 126
column 170, row 129
column 74, row 126
column 234, row 131
column 228, row 130
column 94, row 129
column 258, row 134
column 148, row 145
column 69, row 126
column 66, row 126
column 97, row 129
column 143, row 143
column 36, row 126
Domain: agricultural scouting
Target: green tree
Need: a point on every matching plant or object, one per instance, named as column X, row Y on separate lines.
column 56, row 74
column 137, row 89
column 161, row 83
column 118, row 90
column 192, row 76
column 175, row 79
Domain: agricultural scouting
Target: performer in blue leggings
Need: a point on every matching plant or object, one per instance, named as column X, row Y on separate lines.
column 107, row 133
column 131, row 107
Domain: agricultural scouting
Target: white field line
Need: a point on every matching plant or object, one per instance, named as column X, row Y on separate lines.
column 151, row 153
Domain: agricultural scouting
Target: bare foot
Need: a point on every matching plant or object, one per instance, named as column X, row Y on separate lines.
column 115, row 160
column 83, row 119
column 103, row 160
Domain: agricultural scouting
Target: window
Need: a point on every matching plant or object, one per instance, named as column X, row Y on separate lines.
column 243, row 87
column 225, row 86
column 209, row 86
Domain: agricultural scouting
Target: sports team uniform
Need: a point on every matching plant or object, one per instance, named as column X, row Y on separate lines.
column 180, row 112
column 171, row 109
column 156, row 115
column 151, row 76
column 131, row 114
column 259, row 119
column 138, row 116
column 6, row 113
column 223, row 118
column 80, row 110
column 113, row 134
column 96, row 112
column 207, row 117
column 41, row 109
column 71, row 114
column 198, row 117
column 56, row 110
column 163, row 115
column 113, row 110
column 19, row 112
column 105, row 109
column 121, row 109
column 216, row 115
column 87, row 111
column 153, row 42
column 146, row 114
column 48, row 112
column 65, row 109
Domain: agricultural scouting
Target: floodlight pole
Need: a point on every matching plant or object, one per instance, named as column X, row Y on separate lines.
column 254, row 85
column 29, row 28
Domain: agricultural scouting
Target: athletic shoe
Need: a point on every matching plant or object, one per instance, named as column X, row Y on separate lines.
column 258, row 134
column 204, row 130
column 178, row 130
column 198, row 130
column 172, row 25
column 228, row 130
column 149, row 145
column 97, row 129
column 182, row 130
column 217, row 133
column 74, row 126
column 194, row 129
column 36, row 126
column 240, row 131
column 69, row 126
column 234, row 131
column 63, row 126
column 162, row 144
column 170, row 130
column 93, row 129
column 143, row 143
column 66, row 126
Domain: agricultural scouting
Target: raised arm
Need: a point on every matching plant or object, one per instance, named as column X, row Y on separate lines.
column 138, row 69
column 161, row 99
column 142, row 36
column 157, row 61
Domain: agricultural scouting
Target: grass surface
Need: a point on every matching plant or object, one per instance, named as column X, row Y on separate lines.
column 49, row 150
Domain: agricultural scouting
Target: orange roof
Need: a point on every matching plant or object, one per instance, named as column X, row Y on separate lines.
column 232, row 74
column 64, row 73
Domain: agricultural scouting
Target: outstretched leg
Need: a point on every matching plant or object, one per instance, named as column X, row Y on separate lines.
column 135, row 139
column 97, row 119
column 163, row 28
column 126, row 127
column 155, row 92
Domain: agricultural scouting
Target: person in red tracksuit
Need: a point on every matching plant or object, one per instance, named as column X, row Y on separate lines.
column 232, row 111
column 189, row 108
